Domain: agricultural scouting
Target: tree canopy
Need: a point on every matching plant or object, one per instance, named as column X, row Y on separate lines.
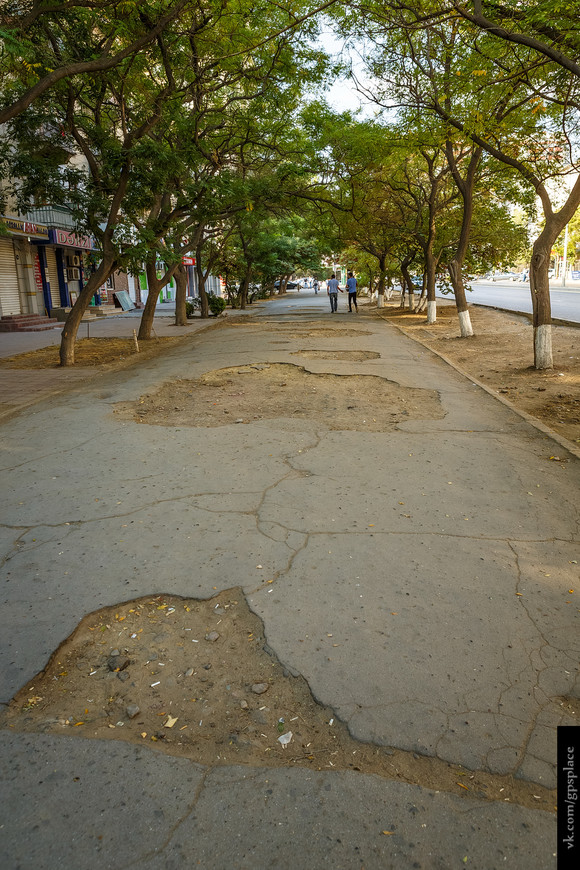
column 170, row 127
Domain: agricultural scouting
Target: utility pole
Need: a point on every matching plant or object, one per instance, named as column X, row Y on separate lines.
column 565, row 258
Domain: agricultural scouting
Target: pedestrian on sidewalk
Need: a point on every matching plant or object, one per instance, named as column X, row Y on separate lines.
column 332, row 289
column 351, row 287
column 316, row 287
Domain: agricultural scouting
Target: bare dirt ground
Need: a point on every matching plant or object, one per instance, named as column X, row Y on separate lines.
column 243, row 394
column 500, row 355
column 196, row 679
column 90, row 352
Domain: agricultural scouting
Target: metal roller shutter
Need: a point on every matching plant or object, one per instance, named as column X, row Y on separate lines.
column 52, row 275
column 9, row 295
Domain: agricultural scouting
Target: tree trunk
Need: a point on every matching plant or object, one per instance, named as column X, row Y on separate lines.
column 466, row 187
column 409, row 284
column 371, row 280
column 154, row 285
column 424, row 301
column 455, row 273
column 540, row 290
column 245, row 283
column 73, row 321
column 381, row 285
column 180, row 296
column 539, row 267
column 204, row 306
column 539, row 281
column 430, row 288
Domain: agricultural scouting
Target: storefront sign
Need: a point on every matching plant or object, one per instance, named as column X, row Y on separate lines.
column 188, row 261
column 27, row 228
column 68, row 239
column 37, row 273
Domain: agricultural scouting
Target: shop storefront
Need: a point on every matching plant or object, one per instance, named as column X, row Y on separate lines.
column 21, row 287
column 58, row 267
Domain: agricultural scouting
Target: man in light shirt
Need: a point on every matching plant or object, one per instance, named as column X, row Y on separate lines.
column 332, row 289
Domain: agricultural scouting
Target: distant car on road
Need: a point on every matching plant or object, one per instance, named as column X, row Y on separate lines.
column 505, row 276
column 291, row 285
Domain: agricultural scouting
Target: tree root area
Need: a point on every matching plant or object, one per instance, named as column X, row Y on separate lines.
column 90, row 352
column 196, row 679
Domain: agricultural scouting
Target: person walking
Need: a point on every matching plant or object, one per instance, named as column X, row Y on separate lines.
column 332, row 289
column 316, row 286
column 351, row 287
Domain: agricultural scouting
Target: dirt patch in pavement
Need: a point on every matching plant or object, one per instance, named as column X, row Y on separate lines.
column 348, row 355
column 296, row 329
column 500, row 355
column 243, row 394
column 196, row 679
column 90, row 352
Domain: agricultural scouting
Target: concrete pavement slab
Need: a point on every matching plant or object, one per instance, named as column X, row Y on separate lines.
column 112, row 806
column 461, row 646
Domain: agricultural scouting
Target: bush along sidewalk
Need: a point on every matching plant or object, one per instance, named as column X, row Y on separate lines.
column 216, row 305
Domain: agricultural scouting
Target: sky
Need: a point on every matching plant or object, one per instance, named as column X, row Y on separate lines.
column 343, row 95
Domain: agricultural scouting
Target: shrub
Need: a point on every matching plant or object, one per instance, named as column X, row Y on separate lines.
column 216, row 304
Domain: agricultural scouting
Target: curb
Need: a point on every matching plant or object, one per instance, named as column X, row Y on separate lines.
column 556, row 321
column 533, row 421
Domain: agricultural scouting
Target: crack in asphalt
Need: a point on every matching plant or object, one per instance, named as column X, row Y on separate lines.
column 151, row 853
column 40, row 458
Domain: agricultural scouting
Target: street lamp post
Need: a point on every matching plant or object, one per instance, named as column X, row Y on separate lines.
column 565, row 258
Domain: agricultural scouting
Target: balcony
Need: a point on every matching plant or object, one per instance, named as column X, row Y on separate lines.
column 51, row 216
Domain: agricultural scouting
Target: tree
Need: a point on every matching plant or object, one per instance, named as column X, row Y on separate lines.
column 131, row 169
column 45, row 44
column 519, row 102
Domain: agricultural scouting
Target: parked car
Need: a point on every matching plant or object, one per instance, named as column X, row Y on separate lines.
column 291, row 285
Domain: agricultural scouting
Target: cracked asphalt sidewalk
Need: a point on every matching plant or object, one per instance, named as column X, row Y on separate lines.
column 439, row 554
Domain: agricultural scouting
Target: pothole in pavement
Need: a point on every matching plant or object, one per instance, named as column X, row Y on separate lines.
column 195, row 678
column 243, row 394
column 348, row 355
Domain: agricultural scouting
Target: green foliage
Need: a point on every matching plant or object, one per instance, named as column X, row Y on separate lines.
column 216, row 304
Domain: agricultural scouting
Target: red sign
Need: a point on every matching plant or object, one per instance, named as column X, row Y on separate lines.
column 37, row 273
column 188, row 261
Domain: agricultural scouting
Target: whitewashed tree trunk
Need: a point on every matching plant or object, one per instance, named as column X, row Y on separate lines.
column 543, row 346
column 465, row 327
column 431, row 312
column 381, row 300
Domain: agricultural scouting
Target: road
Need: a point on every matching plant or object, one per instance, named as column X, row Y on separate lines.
column 516, row 297
column 415, row 574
